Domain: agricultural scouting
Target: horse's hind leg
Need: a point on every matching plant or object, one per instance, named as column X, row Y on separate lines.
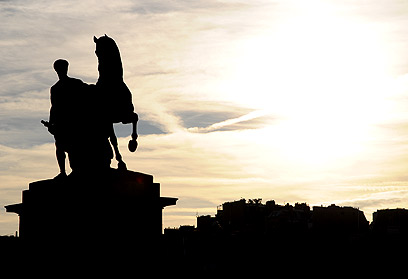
column 114, row 142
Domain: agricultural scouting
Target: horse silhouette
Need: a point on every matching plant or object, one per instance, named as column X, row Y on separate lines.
column 113, row 93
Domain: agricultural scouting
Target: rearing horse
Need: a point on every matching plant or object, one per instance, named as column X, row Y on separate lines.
column 115, row 95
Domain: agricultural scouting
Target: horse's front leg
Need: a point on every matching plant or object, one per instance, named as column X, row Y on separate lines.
column 114, row 141
column 133, row 143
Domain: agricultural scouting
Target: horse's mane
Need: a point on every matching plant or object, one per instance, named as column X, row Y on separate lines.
column 109, row 61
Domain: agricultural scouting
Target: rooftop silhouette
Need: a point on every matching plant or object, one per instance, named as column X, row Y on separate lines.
column 266, row 238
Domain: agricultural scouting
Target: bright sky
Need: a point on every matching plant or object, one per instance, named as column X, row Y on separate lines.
column 296, row 101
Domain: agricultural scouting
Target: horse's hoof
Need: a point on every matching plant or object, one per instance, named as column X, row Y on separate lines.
column 132, row 145
column 122, row 166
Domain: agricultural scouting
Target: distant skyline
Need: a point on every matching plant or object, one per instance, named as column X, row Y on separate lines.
column 295, row 101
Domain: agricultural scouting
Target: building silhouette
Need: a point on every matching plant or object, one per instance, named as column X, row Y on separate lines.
column 390, row 223
column 254, row 217
column 339, row 220
column 263, row 238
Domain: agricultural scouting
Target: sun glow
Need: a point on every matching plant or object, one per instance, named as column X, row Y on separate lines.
column 324, row 77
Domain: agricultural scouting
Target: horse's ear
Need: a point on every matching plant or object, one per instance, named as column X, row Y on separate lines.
column 106, row 35
column 95, row 39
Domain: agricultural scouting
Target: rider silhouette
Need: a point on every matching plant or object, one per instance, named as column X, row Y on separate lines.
column 64, row 112
column 79, row 125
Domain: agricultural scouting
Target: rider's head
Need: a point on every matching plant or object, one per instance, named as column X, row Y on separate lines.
column 61, row 67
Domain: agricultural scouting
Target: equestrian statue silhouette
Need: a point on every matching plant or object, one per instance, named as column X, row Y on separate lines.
column 107, row 102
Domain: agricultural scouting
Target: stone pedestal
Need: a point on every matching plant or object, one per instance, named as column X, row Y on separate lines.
column 107, row 207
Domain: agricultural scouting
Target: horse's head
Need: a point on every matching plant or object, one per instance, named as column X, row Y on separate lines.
column 105, row 47
column 108, row 56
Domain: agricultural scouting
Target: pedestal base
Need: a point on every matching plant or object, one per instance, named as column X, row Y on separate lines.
column 105, row 208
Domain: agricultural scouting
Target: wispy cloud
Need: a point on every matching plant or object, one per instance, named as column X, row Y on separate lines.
column 230, row 122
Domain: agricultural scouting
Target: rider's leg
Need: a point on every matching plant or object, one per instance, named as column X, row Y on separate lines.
column 60, row 154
